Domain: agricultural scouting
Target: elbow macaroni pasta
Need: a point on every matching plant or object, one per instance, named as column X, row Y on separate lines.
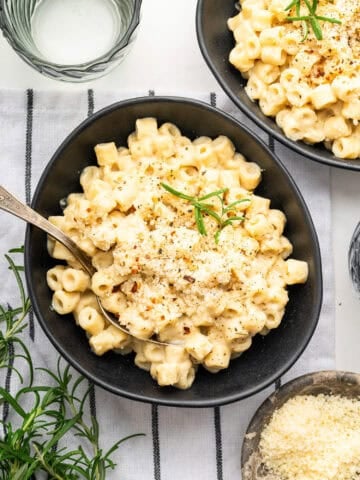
column 310, row 86
column 154, row 268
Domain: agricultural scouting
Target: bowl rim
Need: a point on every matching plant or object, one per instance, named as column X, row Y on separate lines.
column 194, row 403
column 295, row 146
column 293, row 386
column 42, row 65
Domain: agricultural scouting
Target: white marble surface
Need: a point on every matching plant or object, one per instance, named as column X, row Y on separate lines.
column 169, row 26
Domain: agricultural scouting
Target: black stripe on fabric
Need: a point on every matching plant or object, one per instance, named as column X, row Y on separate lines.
column 5, row 412
column 218, row 442
column 90, row 102
column 92, row 394
column 278, row 383
column 28, row 143
column 92, row 400
column 156, row 440
column 31, row 325
column 28, row 171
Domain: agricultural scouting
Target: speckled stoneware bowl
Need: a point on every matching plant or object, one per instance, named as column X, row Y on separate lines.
column 329, row 382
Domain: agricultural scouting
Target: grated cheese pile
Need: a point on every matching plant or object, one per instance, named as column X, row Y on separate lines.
column 314, row 438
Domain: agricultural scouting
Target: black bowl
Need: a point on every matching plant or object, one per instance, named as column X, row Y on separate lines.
column 328, row 382
column 270, row 356
column 216, row 41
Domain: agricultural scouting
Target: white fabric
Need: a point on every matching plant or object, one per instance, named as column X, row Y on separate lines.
column 187, row 440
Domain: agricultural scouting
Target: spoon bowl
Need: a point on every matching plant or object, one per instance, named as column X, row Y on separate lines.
column 12, row 205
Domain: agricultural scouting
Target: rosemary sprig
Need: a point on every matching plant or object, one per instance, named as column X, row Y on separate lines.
column 200, row 208
column 13, row 320
column 311, row 20
column 44, row 414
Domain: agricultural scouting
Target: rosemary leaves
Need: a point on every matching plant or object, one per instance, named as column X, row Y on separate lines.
column 224, row 218
column 41, row 416
column 311, row 20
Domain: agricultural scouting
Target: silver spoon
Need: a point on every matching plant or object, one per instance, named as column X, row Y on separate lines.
column 12, row 205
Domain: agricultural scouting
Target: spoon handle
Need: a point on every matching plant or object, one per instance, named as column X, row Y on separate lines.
column 12, row 205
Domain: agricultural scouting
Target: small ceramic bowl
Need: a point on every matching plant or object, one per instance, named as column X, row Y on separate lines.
column 329, row 382
column 216, row 41
column 269, row 356
column 22, row 20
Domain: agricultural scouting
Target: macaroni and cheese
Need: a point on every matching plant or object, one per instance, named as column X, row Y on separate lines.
column 208, row 290
column 310, row 86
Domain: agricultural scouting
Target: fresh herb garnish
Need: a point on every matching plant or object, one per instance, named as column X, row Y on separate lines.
column 13, row 319
column 311, row 20
column 200, row 208
column 42, row 415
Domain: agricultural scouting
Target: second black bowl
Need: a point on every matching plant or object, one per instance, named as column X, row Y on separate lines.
column 216, row 41
column 270, row 356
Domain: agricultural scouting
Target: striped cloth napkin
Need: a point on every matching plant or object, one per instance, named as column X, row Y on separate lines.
column 179, row 444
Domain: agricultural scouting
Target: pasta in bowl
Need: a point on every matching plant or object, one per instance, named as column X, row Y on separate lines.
column 209, row 281
column 308, row 81
column 298, row 83
column 183, row 248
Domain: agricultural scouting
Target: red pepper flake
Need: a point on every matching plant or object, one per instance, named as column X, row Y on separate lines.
column 134, row 288
column 186, row 330
column 116, row 289
column 189, row 279
column 132, row 209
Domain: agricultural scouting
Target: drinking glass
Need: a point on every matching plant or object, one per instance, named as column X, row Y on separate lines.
column 71, row 40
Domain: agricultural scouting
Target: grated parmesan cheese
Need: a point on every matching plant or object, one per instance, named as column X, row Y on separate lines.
column 314, row 438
